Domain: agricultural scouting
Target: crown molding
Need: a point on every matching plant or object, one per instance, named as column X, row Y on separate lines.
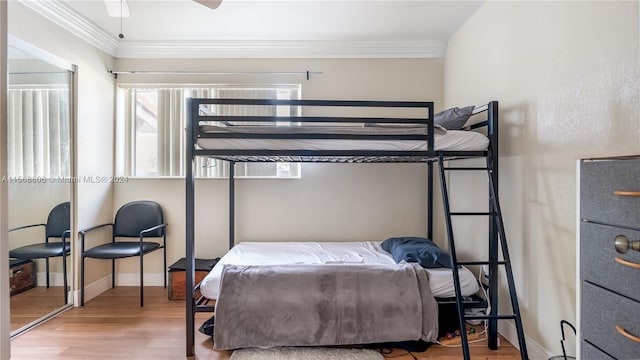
column 64, row 16
column 289, row 49
column 69, row 19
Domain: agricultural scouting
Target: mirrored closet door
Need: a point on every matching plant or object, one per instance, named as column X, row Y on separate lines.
column 39, row 178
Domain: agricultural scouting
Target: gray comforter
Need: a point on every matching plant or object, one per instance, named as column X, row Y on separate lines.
column 316, row 305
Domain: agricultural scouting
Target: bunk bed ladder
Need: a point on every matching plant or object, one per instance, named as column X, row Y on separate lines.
column 496, row 222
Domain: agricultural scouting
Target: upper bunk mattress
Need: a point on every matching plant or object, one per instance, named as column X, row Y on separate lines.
column 451, row 140
column 330, row 254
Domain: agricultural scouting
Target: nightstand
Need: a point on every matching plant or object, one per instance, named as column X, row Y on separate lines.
column 22, row 275
column 178, row 276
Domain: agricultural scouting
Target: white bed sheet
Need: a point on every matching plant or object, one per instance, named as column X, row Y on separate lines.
column 331, row 254
column 452, row 140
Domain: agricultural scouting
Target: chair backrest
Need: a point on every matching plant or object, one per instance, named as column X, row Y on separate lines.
column 136, row 216
column 59, row 220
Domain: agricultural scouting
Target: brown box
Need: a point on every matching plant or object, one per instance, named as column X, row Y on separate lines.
column 22, row 276
column 178, row 276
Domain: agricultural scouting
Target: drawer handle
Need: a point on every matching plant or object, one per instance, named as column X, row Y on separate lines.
column 626, row 334
column 630, row 264
column 623, row 244
column 626, row 193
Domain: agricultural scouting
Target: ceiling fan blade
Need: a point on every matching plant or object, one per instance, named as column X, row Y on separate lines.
column 212, row 4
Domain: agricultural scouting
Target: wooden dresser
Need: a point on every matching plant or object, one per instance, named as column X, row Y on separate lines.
column 609, row 264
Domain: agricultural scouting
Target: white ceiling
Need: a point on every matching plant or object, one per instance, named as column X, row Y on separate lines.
column 266, row 28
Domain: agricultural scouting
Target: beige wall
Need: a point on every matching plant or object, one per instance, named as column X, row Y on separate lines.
column 380, row 79
column 329, row 202
column 566, row 76
column 95, row 107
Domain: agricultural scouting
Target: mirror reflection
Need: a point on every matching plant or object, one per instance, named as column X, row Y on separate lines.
column 39, row 173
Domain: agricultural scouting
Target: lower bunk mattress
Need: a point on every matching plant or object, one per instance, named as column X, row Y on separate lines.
column 332, row 254
column 315, row 305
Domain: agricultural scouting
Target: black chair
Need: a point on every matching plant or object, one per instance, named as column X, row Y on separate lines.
column 137, row 219
column 57, row 226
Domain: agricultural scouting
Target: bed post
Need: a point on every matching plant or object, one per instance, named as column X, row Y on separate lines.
column 492, row 133
column 189, row 224
column 232, row 201
column 431, row 141
column 430, row 200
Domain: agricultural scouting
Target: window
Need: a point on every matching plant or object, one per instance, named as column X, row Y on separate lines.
column 38, row 132
column 151, row 130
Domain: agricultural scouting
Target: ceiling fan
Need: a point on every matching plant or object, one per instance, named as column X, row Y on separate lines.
column 212, row 4
column 120, row 8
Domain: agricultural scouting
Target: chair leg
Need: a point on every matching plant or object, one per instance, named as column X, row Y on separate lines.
column 164, row 270
column 64, row 277
column 82, row 281
column 141, row 281
column 113, row 273
column 46, row 266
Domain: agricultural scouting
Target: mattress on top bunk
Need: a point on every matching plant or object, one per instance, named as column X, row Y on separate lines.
column 452, row 140
column 331, row 254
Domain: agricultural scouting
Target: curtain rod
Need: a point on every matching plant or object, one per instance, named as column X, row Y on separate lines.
column 37, row 72
column 160, row 72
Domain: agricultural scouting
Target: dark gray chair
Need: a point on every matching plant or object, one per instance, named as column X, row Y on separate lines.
column 137, row 219
column 57, row 226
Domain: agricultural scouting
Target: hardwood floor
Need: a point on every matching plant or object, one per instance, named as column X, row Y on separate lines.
column 113, row 326
column 34, row 303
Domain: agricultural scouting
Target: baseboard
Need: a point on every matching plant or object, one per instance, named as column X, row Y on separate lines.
column 92, row 290
column 122, row 279
column 534, row 350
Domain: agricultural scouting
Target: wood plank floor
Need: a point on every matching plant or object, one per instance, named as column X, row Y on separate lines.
column 34, row 303
column 113, row 326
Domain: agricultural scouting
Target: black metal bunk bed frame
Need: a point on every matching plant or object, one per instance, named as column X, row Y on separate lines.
column 195, row 117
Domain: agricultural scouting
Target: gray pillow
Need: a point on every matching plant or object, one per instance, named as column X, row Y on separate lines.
column 454, row 118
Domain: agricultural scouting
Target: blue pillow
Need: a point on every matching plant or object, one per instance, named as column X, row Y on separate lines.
column 416, row 249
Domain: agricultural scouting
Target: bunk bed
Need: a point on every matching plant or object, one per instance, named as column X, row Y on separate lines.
column 388, row 132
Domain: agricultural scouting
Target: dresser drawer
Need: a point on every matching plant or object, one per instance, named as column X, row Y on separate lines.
column 590, row 352
column 602, row 310
column 597, row 259
column 598, row 181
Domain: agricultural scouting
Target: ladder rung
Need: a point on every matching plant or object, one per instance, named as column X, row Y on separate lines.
column 466, row 168
column 474, row 213
column 490, row 317
column 480, row 262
